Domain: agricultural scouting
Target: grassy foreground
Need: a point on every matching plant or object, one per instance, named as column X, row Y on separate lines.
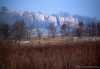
column 59, row 56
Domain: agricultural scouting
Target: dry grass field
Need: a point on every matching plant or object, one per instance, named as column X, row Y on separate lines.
column 59, row 55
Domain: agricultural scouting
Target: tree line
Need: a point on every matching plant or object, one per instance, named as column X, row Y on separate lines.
column 19, row 31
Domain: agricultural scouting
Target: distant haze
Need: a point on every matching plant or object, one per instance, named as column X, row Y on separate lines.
column 89, row 8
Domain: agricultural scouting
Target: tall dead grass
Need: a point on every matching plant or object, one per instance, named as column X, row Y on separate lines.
column 68, row 56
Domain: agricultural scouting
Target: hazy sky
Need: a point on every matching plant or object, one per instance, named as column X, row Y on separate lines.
column 89, row 8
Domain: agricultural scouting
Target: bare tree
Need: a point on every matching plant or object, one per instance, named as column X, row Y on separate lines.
column 39, row 33
column 52, row 30
column 93, row 29
column 98, row 28
column 4, row 30
column 19, row 28
column 80, row 29
column 63, row 29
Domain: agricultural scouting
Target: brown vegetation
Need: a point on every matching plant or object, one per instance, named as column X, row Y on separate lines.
column 63, row 56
